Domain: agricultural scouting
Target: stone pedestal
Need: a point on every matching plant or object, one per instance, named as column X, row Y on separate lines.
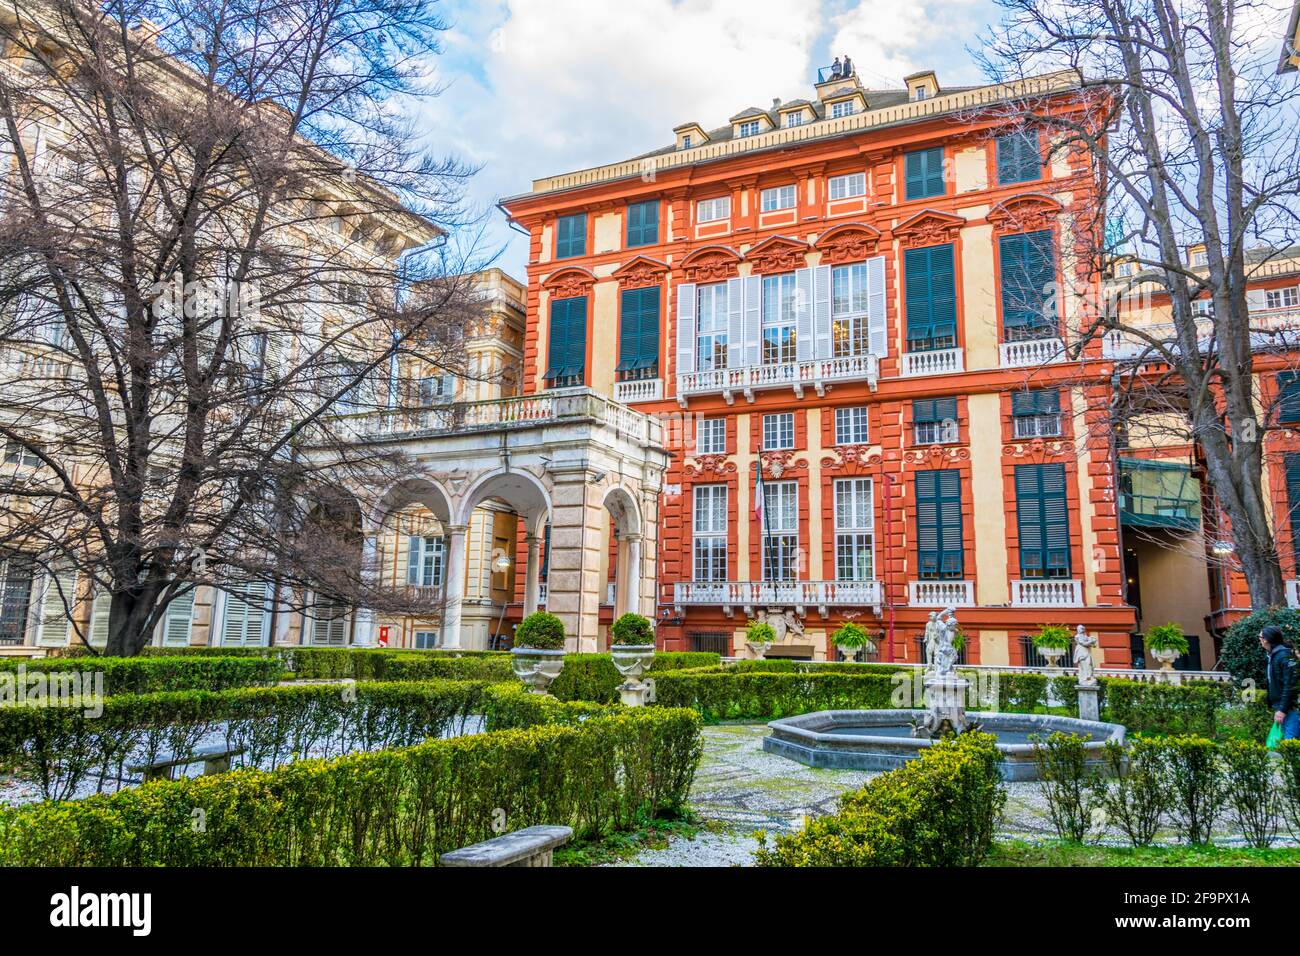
column 1089, row 702
column 633, row 693
column 945, row 700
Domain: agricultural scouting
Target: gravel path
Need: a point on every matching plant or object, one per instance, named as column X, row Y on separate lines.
column 740, row 789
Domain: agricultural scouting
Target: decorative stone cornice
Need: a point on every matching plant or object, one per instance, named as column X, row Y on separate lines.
column 711, row 264
column 778, row 254
column 933, row 455
column 851, row 457
column 709, row 465
column 851, row 242
column 777, row 463
column 1025, row 213
column 569, row 282
column 1039, row 449
column 640, row 271
column 929, row 227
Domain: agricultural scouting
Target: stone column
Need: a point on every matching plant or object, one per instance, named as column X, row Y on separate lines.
column 630, row 573
column 574, row 589
column 533, row 574
column 363, row 626
column 453, row 585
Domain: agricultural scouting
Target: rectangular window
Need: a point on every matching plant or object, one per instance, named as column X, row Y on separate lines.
column 686, row 141
column 853, row 530
column 848, row 186
column 1018, row 157
column 709, row 535
column 435, row 389
column 425, row 558
column 16, row 573
column 779, row 197
column 1036, row 414
column 1288, row 398
column 21, row 454
column 851, row 426
column 638, row 343
column 934, row 421
column 571, row 236
column 711, row 327
column 930, row 293
column 711, row 436
column 1281, row 298
column 643, row 223
column 850, row 295
column 749, row 128
column 567, row 342
column 1203, row 308
column 778, row 432
column 712, row 210
column 779, row 319
column 425, row 640
column 923, row 173
column 1043, row 521
column 938, row 524
column 794, row 119
column 780, row 538
column 843, row 108
column 1029, row 301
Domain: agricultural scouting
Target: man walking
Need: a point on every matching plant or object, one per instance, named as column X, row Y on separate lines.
column 1282, row 688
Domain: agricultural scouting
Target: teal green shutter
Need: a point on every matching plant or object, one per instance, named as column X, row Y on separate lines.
column 1018, row 157
column 1288, row 397
column 926, row 410
column 1043, row 401
column 1043, row 521
column 938, row 523
column 931, row 292
column 638, row 345
column 567, row 343
column 923, row 173
column 1293, row 502
column 643, row 223
column 571, row 236
column 1028, row 268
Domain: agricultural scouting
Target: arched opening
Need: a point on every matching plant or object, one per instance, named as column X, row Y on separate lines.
column 625, row 554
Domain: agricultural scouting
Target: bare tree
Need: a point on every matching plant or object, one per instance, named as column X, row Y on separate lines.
column 1193, row 137
column 211, row 220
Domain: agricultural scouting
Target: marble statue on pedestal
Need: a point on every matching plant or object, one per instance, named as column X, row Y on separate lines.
column 1083, row 645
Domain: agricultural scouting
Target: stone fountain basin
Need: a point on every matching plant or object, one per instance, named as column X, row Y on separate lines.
column 882, row 739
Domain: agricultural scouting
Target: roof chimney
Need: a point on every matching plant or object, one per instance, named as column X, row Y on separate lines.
column 776, row 102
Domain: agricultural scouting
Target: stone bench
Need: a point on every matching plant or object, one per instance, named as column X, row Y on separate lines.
column 215, row 760
column 532, row 846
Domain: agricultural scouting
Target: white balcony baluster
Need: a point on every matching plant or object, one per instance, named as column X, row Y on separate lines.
column 1030, row 353
column 639, row 390
column 1046, row 592
column 941, row 593
column 939, row 362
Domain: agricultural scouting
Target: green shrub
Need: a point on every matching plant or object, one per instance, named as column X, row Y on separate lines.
column 759, row 632
column 1248, row 779
column 1134, row 796
column 1189, row 708
column 1068, row 784
column 939, row 810
column 146, row 675
column 593, row 677
column 633, row 629
column 1024, row 693
column 541, row 631
column 1195, row 782
column 759, row 695
column 398, row 807
column 1289, row 760
column 1241, row 654
column 1052, row 637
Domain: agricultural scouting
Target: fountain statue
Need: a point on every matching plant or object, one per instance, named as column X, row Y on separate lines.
column 1083, row 645
column 945, row 692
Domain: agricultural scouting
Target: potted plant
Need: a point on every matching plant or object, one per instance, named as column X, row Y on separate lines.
column 850, row 639
column 1052, row 641
column 538, row 654
column 632, row 650
column 1167, row 643
column 759, row 635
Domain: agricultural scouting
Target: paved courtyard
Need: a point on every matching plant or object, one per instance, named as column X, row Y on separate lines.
column 740, row 789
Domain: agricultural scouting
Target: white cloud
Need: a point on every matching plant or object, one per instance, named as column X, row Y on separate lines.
column 890, row 39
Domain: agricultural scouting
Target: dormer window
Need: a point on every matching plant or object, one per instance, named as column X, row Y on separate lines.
column 843, row 108
column 918, row 94
column 794, row 119
column 1198, row 258
column 686, row 141
column 748, row 128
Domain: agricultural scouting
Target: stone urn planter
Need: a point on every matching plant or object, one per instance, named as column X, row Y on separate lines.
column 1053, row 656
column 850, row 654
column 632, row 660
column 758, row 648
column 1166, row 657
column 537, row 667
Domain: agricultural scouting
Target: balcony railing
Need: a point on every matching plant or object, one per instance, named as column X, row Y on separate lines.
column 1031, row 353
column 1270, row 329
column 938, row 362
column 941, row 593
column 1046, row 592
column 800, row 593
column 639, row 390
column 814, row 373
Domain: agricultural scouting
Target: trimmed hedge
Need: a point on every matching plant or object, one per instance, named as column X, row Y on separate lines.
column 593, row 677
column 758, row 695
column 147, row 675
column 400, row 807
column 940, row 810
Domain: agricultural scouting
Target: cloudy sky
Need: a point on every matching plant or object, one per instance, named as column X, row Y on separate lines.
column 539, row 87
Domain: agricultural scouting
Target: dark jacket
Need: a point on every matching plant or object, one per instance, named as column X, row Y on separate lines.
column 1282, row 687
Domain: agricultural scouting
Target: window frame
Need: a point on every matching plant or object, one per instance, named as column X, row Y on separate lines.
column 780, row 318
column 709, row 526
column 711, row 436
column 848, row 422
column 580, row 238
column 778, row 422
column 856, row 534
column 779, row 194
column 712, row 204
column 843, row 177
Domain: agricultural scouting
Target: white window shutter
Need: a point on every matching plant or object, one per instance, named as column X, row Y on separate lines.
column 803, row 314
column 1256, row 300
column 99, row 611
column 244, row 615
column 60, row 593
column 822, row 310
column 686, row 328
column 735, row 323
column 178, row 620
column 753, row 321
column 877, row 324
